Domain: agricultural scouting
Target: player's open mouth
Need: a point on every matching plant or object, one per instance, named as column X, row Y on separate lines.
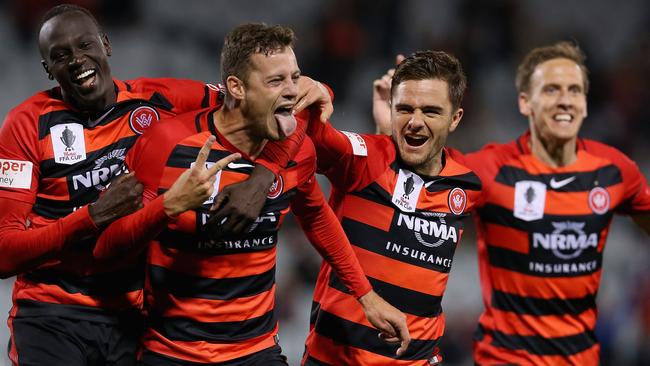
column 285, row 120
column 563, row 117
column 85, row 78
column 415, row 141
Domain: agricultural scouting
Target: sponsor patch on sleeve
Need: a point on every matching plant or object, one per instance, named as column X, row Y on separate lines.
column 359, row 147
column 15, row 173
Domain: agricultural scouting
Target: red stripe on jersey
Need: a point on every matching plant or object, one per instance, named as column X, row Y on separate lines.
column 333, row 353
column 207, row 352
column 207, row 266
column 204, row 310
column 543, row 287
column 485, row 354
column 400, row 273
column 347, row 307
column 517, row 240
column 357, row 208
column 548, row 326
column 55, row 294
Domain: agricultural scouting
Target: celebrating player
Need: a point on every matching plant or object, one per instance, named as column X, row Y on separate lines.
column 211, row 298
column 58, row 151
column 547, row 204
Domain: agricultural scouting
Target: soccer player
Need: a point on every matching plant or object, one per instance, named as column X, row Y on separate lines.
column 58, row 151
column 547, row 204
column 211, row 298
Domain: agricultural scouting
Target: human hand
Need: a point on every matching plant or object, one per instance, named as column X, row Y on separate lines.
column 238, row 205
column 196, row 184
column 122, row 197
column 385, row 317
column 313, row 94
column 381, row 100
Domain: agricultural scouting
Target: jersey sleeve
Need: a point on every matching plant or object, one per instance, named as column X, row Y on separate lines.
column 185, row 95
column 350, row 160
column 326, row 235
column 130, row 234
column 277, row 154
column 19, row 156
column 636, row 190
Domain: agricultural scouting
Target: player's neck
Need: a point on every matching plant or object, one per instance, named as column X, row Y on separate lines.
column 231, row 125
column 431, row 168
column 554, row 153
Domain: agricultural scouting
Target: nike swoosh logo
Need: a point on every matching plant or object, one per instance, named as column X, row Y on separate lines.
column 555, row 184
column 239, row 165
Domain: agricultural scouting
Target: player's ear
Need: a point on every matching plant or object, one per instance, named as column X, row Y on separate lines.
column 524, row 104
column 47, row 70
column 235, row 87
column 107, row 44
column 455, row 119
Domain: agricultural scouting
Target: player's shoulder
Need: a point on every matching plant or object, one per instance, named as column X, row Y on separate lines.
column 609, row 154
column 148, row 84
column 26, row 115
column 172, row 130
column 460, row 173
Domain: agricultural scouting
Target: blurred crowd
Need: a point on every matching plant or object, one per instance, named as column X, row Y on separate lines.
column 347, row 44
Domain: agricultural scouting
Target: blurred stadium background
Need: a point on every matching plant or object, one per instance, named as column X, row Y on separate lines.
column 348, row 43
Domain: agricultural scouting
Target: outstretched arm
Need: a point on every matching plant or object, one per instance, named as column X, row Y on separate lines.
column 24, row 249
column 326, row 234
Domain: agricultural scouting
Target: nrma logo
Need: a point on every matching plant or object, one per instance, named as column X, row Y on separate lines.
column 106, row 168
column 567, row 241
column 429, row 233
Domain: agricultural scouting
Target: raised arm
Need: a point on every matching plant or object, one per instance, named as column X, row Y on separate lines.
column 132, row 233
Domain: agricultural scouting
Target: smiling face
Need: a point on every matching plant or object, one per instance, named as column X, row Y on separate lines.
column 270, row 92
column 76, row 54
column 422, row 118
column 555, row 103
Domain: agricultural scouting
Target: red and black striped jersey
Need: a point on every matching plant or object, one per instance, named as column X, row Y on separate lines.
column 67, row 158
column 404, row 228
column 214, row 301
column 542, row 233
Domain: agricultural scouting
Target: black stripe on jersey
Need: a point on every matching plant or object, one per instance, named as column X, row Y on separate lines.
column 183, row 329
column 397, row 247
column 313, row 314
column 51, row 169
column 184, row 285
column 550, row 266
column 205, row 102
column 190, row 242
column 99, row 284
column 539, row 307
column 48, row 120
column 537, row 345
column 360, row 336
column 311, row 361
column 183, row 156
column 494, row 214
column 260, row 358
column 159, row 100
column 406, row 300
column 374, row 193
column 468, row 181
column 54, row 209
column 31, row 308
column 605, row 176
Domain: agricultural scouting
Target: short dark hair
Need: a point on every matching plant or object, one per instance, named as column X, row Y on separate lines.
column 68, row 8
column 441, row 65
column 540, row 55
column 248, row 39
